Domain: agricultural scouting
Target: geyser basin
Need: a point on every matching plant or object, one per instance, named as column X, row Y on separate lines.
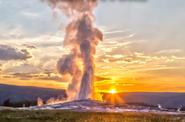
column 88, row 105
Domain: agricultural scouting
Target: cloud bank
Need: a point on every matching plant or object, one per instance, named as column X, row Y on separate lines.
column 10, row 53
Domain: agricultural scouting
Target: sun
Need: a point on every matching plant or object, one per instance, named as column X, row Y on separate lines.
column 113, row 91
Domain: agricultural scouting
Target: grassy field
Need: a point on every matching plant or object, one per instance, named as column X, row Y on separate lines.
column 66, row 116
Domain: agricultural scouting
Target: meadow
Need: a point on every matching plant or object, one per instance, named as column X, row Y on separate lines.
column 68, row 116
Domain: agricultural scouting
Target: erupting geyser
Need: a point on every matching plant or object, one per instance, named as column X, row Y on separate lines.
column 82, row 38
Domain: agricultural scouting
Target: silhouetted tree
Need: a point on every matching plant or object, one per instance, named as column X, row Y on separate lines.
column 6, row 102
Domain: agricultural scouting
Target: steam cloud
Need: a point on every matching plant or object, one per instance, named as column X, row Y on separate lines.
column 82, row 38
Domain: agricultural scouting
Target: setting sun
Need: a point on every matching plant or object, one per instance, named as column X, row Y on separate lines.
column 113, row 91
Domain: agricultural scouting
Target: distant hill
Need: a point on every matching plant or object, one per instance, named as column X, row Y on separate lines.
column 166, row 99
column 22, row 93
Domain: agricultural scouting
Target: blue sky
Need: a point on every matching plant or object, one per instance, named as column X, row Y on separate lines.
column 155, row 19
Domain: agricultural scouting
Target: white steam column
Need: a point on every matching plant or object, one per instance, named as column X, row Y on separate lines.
column 82, row 38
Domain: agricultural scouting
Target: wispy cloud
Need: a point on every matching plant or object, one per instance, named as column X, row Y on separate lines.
column 169, row 51
column 32, row 15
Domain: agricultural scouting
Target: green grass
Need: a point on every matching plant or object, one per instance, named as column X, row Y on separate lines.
column 66, row 116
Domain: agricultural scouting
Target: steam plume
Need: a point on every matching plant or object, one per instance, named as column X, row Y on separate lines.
column 82, row 38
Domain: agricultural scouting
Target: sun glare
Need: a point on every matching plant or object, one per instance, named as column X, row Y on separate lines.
column 113, row 91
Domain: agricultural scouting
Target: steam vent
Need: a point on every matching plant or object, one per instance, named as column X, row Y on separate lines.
column 82, row 37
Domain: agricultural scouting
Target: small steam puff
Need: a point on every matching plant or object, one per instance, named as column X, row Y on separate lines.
column 82, row 38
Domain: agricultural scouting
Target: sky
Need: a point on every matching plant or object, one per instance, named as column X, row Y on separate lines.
column 143, row 48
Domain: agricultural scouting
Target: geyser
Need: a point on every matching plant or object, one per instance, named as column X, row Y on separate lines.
column 81, row 37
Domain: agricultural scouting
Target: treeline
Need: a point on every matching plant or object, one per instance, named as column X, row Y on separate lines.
column 26, row 103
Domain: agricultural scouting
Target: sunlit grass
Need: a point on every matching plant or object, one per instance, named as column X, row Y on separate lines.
column 66, row 116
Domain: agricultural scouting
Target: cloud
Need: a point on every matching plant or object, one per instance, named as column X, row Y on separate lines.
column 30, row 72
column 10, row 53
column 114, row 32
column 101, row 78
column 24, row 68
column 9, row 31
column 170, row 51
column 29, row 46
column 0, row 68
column 30, row 14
